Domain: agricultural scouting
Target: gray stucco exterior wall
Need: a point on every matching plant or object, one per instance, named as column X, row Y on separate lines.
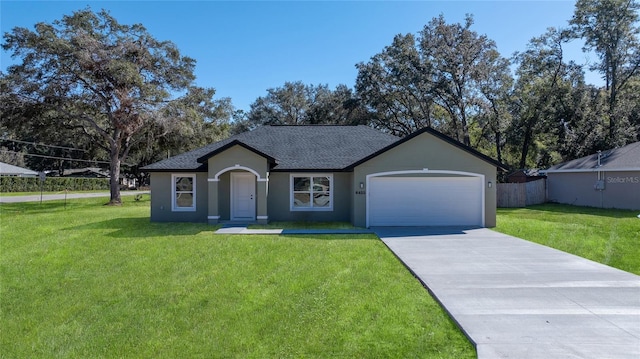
column 237, row 156
column 224, row 196
column 425, row 151
column 220, row 166
column 621, row 189
column 161, row 187
column 279, row 200
column 273, row 189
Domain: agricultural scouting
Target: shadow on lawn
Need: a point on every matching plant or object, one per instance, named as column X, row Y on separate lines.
column 398, row 232
column 562, row 209
column 331, row 237
column 60, row 205
column 129, row 227
column 45, row 206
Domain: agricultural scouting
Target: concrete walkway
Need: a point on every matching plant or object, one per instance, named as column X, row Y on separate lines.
column 518, row 299
column 59, row 196
column 242, row 229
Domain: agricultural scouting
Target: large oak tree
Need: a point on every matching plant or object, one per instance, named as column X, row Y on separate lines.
column 101, row 79
column 443, row 78
column 611, row 29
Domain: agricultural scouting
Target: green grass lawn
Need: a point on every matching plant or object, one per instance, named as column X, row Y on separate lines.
column 608, row 236
column 94, row 281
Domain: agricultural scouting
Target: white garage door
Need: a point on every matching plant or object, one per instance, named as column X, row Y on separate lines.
column 425, row 201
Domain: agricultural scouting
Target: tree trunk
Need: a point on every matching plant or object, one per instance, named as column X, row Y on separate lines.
column 466, row 139
column 465, row 135
column 114, row 176
column 498, row 151
column 525, row 145
column 613, row 92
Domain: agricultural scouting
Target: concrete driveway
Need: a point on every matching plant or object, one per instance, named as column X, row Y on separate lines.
column 518, row 299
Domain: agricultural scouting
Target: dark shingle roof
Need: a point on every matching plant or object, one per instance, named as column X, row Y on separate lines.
column 623, row 158
column 292, row 147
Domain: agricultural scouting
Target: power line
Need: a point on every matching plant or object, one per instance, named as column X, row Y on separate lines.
column 63, row 158
column 54, row 157
column 42, row 144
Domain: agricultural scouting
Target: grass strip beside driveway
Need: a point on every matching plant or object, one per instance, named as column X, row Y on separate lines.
column 607, row 236
column 98, row 281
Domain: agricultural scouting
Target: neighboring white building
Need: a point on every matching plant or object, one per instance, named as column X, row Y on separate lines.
column 11, row 170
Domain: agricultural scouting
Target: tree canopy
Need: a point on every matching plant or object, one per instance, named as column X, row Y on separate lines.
column 453, row 79
column 90, row 76
column 611, row 29
column 116, row 93
column 296, row 103
column 438, row 79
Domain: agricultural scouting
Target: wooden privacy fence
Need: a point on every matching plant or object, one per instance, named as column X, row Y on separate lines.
column 521, row 194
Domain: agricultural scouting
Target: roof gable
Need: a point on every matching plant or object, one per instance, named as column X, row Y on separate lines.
column 235, row 142
column 438, row 135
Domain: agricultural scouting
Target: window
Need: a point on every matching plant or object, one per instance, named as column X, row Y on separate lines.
column 184, row 192
column 312, row 192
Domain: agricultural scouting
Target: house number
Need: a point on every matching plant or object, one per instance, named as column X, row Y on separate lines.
column 361, row 192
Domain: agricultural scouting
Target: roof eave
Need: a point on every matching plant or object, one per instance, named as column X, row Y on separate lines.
column 203, row 168
column 311, row 170
column 599, row 169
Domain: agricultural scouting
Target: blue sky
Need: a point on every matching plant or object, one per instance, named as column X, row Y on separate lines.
column 243, row 48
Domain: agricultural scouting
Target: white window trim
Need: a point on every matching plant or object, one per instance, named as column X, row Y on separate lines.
column 174, row 207
column 311, row 209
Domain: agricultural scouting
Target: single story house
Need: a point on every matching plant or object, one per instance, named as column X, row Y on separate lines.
column 86, row 172
column 608, row 179
column 351, row 174
column 16, row 171
column 96, row 172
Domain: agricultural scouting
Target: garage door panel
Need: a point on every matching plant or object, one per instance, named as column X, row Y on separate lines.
column 425, row 201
